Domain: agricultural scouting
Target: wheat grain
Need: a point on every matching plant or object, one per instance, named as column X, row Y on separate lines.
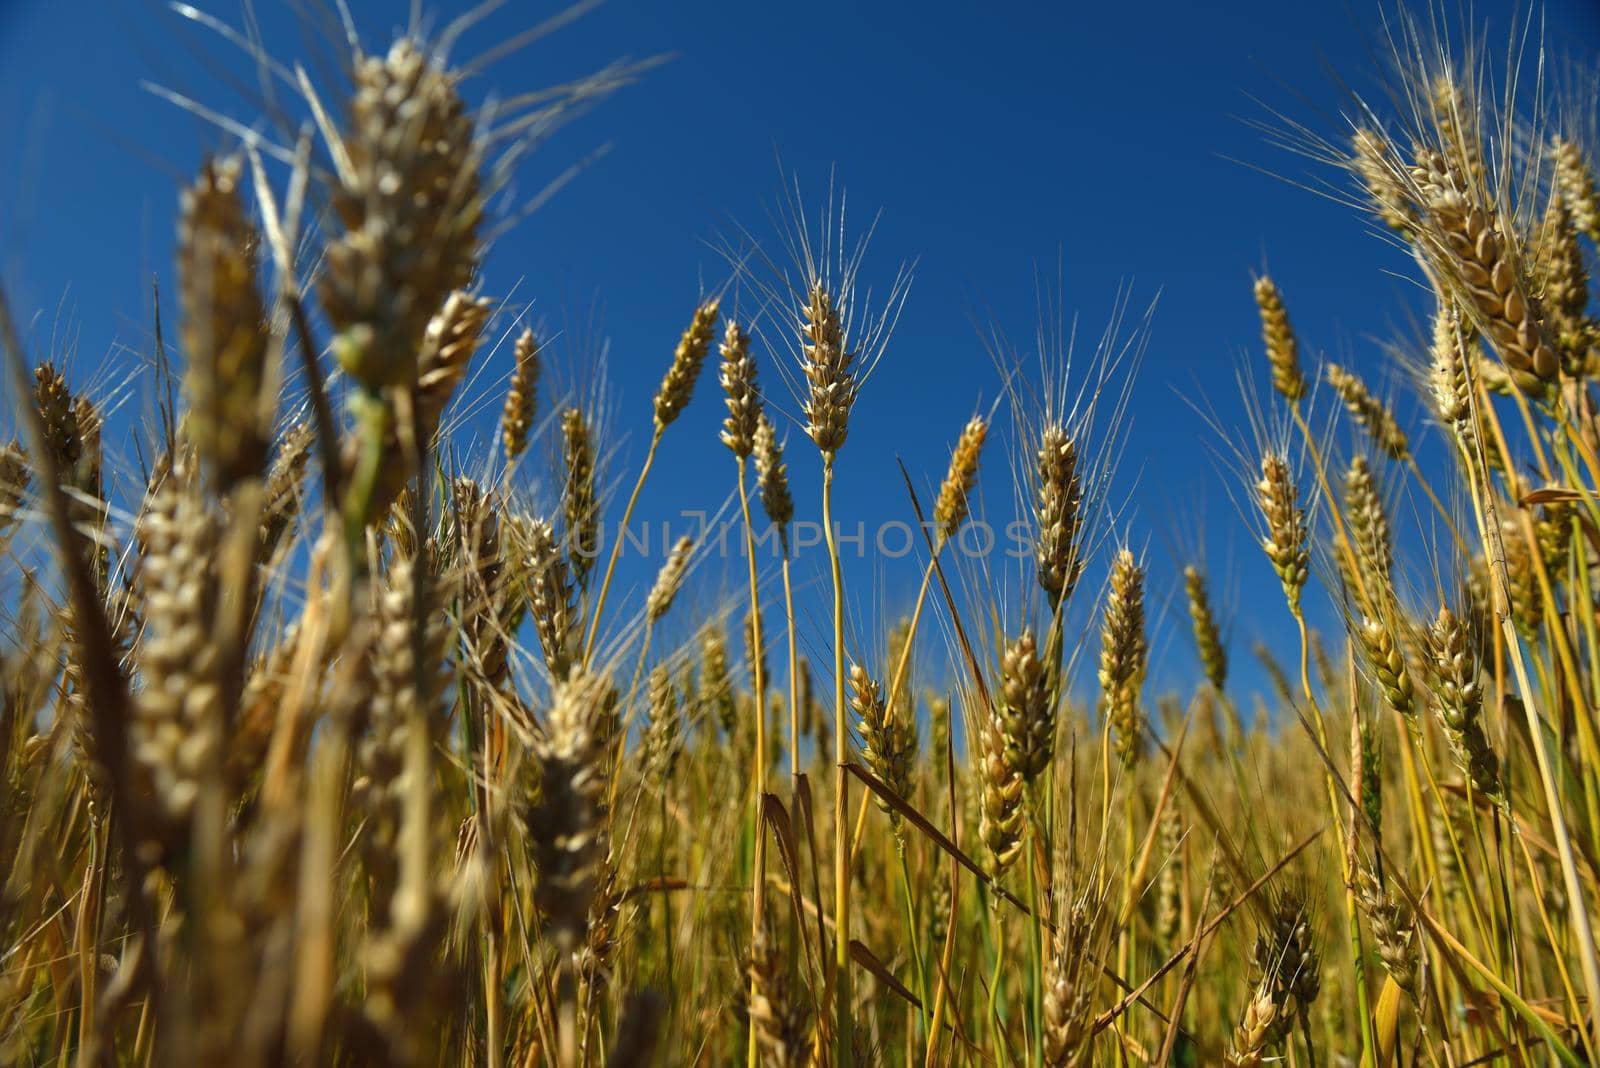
column 1576, row 182
column 1122, row 655
column 780, row 1016
column 176, row 734
column 1369, row 413
column 1169, row 883
column 411, row 205
column 1283, row 351
column 579, row 498
column 1447, row 376
column 1058, row 514
column 889, row 742
column 280, row 500
column 1026, row 709
column 952, row 505
column 1068, row 992
column 826, row 364
column 1000, row 795
column 1369, row 526
column 14, row 479
column 1455, row 117
column 1285, row 540
column 662, row 732
column 739, row 383
column 567, row 825
column 1207, row 635
column 669, row 579
column 481, row 608
column 1259, row 1028
column 550, row 593
column 1484, row 264
column 1394, row 929
column 716, row 685
column 678, row 384
column 1372, row 159
column 774, row 477
column 1522, row 585
column 1458, row 699
column 1387, row 661
column 224, row 326
column 522, row 395
column 1563, row 286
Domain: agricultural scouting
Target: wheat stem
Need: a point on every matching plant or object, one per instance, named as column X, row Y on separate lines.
column 1369, row 1043
column 843, row 1045
column 616, row 546
column 794, row 670
column 1581, row 923
column 914, row 939
column 758, row 892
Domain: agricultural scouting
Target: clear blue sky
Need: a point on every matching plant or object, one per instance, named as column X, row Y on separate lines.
column 994, row 138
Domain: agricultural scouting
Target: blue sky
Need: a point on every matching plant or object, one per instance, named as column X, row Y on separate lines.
column 999, row 142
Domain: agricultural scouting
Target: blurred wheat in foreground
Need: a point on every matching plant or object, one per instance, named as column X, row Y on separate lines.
column 319, row 746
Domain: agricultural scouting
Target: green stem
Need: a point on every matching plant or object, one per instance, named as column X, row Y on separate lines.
column 994, row 978
column 914, row 936
column 374, row 419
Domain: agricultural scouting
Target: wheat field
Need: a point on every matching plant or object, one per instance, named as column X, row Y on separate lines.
column 329, row 739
